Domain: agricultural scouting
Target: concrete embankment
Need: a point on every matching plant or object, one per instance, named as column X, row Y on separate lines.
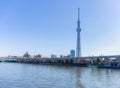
column 58, row 62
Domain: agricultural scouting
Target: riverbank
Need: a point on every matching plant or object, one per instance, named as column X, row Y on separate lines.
column 67, row 62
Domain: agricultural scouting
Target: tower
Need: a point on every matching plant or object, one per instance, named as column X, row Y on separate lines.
column 78, row 48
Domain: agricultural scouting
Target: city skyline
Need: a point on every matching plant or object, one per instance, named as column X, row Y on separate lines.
column 50, row 28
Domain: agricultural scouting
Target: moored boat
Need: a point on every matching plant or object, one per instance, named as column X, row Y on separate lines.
column 108, row 65
column 115, row 65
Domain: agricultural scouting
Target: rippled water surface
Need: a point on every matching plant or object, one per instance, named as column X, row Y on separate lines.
column 17, row 75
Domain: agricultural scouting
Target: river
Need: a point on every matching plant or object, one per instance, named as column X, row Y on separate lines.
column 18, row 75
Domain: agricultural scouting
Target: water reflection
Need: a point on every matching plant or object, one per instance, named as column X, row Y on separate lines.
column 78, row 77
column 14, row 75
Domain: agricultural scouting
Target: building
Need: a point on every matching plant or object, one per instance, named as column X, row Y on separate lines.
column 61, row 56
column 53, row 56
column 78, row 47
column 27, row 55
column 38, row 56
column 72, row 53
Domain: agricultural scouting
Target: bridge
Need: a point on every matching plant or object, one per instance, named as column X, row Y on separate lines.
column 106, row 57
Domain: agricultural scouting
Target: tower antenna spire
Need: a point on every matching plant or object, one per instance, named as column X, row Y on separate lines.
column 78, row 14
column 78, row 23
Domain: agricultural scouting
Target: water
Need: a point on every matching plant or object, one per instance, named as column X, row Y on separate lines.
column 17, row 75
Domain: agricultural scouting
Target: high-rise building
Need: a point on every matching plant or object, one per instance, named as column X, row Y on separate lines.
column 72, row 53
column 78, row 48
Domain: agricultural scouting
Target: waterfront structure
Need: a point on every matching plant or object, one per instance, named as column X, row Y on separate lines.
column 38, row 56
column 61, row 56
column 53, row 56
column 78, row 48
column 72, row 53
column 27, row 55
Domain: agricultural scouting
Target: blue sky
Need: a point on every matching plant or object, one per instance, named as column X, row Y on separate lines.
column 49, row 27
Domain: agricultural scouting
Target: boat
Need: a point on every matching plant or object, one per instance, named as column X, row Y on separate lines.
column 10, row 60
column 115, row 65
column 108, row 65
column 92, row 65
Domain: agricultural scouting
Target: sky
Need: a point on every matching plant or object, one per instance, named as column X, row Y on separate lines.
column 49, row 27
